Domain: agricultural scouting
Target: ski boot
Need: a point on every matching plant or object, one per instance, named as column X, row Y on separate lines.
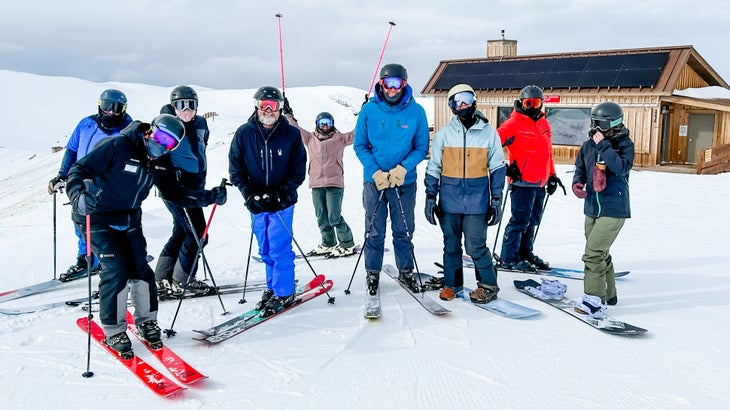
column 265, row 296
column 373, row 280
column 407, row 277
column 276, row 304
column 121, row 344
column 151, row 333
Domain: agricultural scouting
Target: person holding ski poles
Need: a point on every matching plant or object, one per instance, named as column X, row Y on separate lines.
column 109, row 185
column 527, row 137
column 466, row 172
column 267, row 163
column 602, row 179
column 111, row 118
column 391, row 139
column 326, row 146
column 180, row 253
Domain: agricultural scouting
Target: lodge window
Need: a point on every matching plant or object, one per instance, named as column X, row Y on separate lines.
column 569, row 125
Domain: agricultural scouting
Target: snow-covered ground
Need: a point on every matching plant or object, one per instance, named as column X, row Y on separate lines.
column 327, row 356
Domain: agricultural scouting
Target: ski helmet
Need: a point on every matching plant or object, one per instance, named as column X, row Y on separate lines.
column 606, row 116
column 171, row 130
column 459, row 88
column 183, row 92
column 324, row 115
column 113, row 100
column 393, row 70
column 268, row 93
column 531, row 91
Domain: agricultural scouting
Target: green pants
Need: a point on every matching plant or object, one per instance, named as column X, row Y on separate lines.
column 328, row 208
column 599, row 273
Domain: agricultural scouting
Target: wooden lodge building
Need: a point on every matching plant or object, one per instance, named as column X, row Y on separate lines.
column 667, row 126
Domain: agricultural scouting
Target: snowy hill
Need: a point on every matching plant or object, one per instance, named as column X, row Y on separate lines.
column 328, row 356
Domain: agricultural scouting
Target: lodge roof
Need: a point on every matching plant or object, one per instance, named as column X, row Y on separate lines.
column 655, row 69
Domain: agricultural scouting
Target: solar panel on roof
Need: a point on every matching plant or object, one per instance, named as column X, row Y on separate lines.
column 629, row 70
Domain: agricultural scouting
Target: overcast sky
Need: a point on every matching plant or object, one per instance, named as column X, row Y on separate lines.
column 226, row 44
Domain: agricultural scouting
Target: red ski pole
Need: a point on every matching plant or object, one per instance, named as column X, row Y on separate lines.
column 380, row 59
column 281, row 58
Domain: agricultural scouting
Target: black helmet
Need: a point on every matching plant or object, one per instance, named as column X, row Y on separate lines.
column 531, row 91
column 393, row 70
column 113, row 100
column 606, row 116
column 268, row 93
column 325, row 115
column 183, row 92
column 173, row 131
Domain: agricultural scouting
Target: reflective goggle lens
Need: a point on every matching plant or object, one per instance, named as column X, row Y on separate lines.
column 182, row 105
column 393, row 83
column 270, row 105
column 464, row 97
column 528, row 103
column 166, row 140
column 324, row 121
column 604, row 124
column 116, row 107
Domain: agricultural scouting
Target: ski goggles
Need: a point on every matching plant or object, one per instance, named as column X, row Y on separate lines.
column 182, row 105
column 116, row 107
column 392, row 83
column 604, row 124
column 528, row 103
column 268, row 105
column 324, row 122
column 162, row 137
column 464, row 97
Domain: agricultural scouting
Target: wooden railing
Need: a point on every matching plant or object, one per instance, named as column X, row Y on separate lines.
column 714, row 160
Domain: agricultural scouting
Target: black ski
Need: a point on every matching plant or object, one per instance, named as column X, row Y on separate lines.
column 429, row 304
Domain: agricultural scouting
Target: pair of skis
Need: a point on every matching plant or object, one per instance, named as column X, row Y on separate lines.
column 145, row 372
column 565, row 273
column 499, row 306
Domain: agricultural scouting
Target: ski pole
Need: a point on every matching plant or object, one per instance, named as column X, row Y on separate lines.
column 537, row 228
column 88, row 373
column 408, row 235
column 248, row 265
column 365, row 241
column 281, row 54
column 380, row 59
column 55, row 258
column 330, row 299
column 170, row 332
column 499, row 225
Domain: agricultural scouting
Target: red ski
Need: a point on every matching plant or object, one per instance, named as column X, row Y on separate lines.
column 178, row 367
column 156, row 381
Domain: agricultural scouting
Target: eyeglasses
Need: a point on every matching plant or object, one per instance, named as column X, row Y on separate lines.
column 604, row 125
column 393, row 83
column 182, row 105
column 268, row 105
column 109, row 105
column 324, row 122
column 170, row 142
column 464, row 97
column 528, row 103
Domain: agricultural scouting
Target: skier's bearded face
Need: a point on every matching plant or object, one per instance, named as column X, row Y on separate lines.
column 268, row 117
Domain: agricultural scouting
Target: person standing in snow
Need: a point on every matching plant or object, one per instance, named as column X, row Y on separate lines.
column 391, row 139
column 466, row 171
column 267, row 163
column 526, row 135
column 602, row 179
column 110, row 119
column 326, row 146
column 177, row 263
column 109, row 185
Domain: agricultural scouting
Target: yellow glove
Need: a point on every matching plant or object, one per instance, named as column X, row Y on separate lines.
column 397, row 176
column 381, row 180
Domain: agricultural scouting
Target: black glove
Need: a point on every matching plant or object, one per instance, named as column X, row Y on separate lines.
column 84, row 203
column 432, row 210
column 494, row 213
column 255, row 204
column 513, row 171
column 552, row 185
column 366, row 100
column 217, row 195
column 56, row 185
column 286, row 109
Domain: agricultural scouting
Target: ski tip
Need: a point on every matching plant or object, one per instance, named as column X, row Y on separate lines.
column 521, row 284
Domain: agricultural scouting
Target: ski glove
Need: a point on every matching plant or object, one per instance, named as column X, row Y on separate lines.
column 56, row 185
column 397, row 176
column 578, row 190
column 494, row 214
column 286, row 108
column 381, row 180
column 432, row 210
column 552, row 185
column 254, row 203
column 599, row 176
column 513, row 171
column 217, row 195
